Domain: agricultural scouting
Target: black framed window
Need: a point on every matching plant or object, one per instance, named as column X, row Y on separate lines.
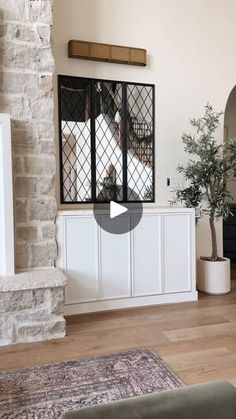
column 106, row 134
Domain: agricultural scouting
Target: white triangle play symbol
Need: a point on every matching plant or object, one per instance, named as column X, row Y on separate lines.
column 116, row 209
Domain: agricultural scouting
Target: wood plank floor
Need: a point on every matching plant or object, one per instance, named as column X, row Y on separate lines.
column 198, row 340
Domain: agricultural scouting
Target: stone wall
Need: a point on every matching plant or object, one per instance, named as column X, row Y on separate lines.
column 31, row 306
column 27, row 67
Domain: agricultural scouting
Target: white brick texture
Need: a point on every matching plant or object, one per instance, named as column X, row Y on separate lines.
column 26, row 89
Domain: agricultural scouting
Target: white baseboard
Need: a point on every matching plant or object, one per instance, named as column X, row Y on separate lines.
column 96, row 306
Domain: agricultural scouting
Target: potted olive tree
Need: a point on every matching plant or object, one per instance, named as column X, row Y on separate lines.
column 206, row 174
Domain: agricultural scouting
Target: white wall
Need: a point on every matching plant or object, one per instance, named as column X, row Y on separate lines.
column 191, row 60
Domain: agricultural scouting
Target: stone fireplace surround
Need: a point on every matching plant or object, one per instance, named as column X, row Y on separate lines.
column 31, row 301
column 31, row 306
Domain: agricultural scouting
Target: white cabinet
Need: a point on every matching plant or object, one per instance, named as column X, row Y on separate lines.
column 176, row 253
column 152, row 264
column 81, row 238
column 114, row 257
column 146, row 257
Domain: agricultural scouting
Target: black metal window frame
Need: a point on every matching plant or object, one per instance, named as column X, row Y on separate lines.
column 124, row 84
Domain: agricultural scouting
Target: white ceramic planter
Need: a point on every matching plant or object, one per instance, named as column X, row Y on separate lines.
column 213, row 277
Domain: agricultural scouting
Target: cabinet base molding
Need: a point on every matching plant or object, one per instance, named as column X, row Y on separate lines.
column 123, row 303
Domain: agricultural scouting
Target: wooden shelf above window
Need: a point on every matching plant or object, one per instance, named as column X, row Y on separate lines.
column 107, row 52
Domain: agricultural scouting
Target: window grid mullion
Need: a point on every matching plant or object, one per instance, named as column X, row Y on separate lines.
column 124, row 139
column 93, row 141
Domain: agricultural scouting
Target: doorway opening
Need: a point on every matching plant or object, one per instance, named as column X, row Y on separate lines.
column 229, row 225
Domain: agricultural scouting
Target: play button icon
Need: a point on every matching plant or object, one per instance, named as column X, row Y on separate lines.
column 119, row 217
column 117, row 209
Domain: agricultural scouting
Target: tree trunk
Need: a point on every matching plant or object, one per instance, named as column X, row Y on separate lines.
column 214, row 255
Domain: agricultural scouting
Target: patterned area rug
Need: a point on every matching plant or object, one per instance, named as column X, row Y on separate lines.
column 47, row 391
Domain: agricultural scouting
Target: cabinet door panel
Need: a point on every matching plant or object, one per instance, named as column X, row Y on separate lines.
column 177, row 253
column 115, row 262
column 81, row 260
column 147, row 256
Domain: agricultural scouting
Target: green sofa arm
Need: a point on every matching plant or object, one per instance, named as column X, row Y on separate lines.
column 205, row 401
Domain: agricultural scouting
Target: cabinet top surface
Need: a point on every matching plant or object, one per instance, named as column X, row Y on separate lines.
column 146, row 211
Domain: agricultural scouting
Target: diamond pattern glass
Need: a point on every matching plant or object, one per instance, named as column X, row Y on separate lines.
column 109, row 153
column 140, row 140
column 106, row 140
column 75, row 109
